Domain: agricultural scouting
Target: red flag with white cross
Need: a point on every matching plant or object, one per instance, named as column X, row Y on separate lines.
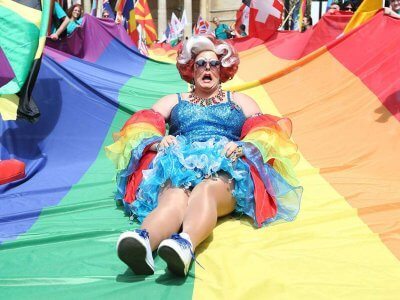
column 265, row 18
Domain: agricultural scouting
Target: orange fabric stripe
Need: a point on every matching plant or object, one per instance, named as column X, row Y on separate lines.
column 336, row 126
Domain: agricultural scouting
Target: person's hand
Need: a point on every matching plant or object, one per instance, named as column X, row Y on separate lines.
column 54, row 36
column 167, row 141
column 118, row 18
column 233, row 151
column 387, row 11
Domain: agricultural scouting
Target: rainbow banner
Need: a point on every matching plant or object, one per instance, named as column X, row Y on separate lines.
column 59, row 225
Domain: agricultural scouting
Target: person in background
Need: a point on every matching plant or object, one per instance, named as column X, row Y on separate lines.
column 105, row 14
column 75, row 18
column 242, row 30
column 394, row 9
column 333, row 8
column 307, row 23
column 222, row 31
column 59, row 23
column 348, row 6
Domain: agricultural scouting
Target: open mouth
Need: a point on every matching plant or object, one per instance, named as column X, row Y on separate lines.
column 206, row 78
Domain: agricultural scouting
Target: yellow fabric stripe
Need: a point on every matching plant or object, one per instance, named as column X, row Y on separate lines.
column 159, row 54
column 326, row 253
column 8, row 107
column 27, row 13
column 41, row 44
column 128, row 139
column 132, row 21
column 150, row 28
column 139, row 6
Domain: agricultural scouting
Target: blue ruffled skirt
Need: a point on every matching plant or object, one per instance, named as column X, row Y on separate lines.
column 186, row 165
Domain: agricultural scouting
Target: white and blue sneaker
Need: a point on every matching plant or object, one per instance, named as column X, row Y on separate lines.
column 177, row 252
column 133, row 248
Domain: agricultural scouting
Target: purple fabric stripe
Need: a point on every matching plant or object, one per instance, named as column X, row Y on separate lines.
column 89, row 41
column 6, row 72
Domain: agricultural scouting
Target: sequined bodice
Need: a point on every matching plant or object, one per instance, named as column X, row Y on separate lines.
column 200, row 123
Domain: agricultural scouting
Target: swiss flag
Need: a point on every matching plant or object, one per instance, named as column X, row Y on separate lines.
column 265, row 18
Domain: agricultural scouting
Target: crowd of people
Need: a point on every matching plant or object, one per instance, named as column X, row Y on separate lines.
column 338, row 5
column 392, row 7
column 63, row 24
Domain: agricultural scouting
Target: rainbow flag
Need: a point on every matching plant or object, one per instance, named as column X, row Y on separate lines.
column 59, row 225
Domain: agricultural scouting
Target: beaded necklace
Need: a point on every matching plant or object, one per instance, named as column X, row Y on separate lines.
column 218, row 98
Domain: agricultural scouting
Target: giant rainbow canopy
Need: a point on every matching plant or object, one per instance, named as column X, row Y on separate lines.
column 59, row 225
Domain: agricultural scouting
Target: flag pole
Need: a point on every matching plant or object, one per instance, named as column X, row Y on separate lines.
column 290, row 13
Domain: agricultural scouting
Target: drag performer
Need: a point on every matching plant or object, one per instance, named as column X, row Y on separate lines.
column 220, row 155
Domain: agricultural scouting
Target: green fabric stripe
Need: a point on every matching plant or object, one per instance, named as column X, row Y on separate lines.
column 69, row 253
column 19, row 45
column 44, row 23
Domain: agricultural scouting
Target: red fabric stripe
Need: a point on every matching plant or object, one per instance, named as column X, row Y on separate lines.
column 293, row 45
column 265, row 205
column 374, row 59
column 136, row 178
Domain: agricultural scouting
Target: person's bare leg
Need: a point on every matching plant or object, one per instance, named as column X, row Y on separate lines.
column 210, row 199
column 167, row 217
column 135, row 248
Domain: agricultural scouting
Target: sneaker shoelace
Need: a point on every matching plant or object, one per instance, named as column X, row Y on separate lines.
column 143, row 233
column 185, row 244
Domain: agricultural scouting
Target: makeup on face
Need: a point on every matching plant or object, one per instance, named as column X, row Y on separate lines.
column 206, row 70
column 204, row 63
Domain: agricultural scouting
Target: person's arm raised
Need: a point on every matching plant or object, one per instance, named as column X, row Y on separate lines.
column 63, row 26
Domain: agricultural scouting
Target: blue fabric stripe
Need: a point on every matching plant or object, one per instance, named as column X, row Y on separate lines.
column 76, row 99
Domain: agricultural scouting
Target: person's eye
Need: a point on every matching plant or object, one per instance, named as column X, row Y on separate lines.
column 201, row 63
column 215, row 63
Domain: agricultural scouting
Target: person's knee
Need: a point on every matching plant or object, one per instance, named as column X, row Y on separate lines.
column 174, row 199
column 206, row 189
column 206, row 194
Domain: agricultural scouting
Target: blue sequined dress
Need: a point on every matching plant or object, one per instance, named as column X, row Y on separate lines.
column 202, row 133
